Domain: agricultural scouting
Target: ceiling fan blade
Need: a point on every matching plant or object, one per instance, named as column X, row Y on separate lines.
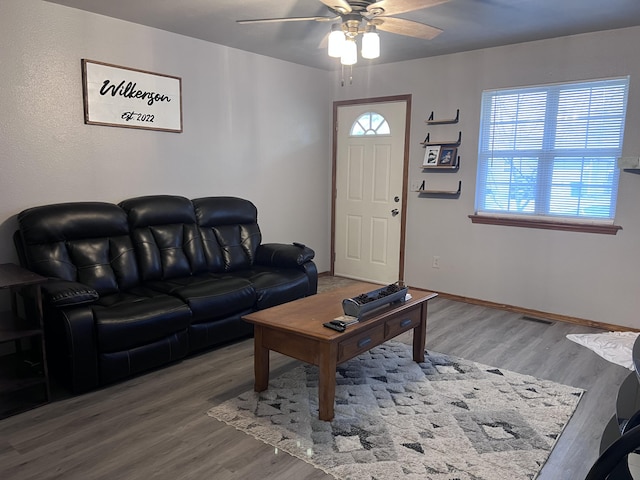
column 406, row 27
column 288, row 19
column 340, row 6
column 395, row 7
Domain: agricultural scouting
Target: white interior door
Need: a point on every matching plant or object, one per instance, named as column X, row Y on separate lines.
column 369, row 191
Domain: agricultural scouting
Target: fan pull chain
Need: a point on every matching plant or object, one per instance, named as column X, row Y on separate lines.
column 350, row 75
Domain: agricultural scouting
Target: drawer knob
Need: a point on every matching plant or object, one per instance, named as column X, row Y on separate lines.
column 363, row 342
column 405, row 322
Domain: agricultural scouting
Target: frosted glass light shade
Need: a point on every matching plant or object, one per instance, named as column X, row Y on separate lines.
column 349, row 52
column 336, row 41
column 370, row 45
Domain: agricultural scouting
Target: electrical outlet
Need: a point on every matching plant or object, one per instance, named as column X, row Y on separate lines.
column 436, row 262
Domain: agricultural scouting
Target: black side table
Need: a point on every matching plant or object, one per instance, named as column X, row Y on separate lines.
column 24, row 380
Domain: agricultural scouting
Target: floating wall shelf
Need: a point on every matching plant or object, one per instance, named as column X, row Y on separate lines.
column 448, row 168
column 432, row 121
column 454, row 143
column 438, row 193
column 443, row 152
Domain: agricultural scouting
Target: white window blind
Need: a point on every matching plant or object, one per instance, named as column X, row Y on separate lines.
column 551, row 151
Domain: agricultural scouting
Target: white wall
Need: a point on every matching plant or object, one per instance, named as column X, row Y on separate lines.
column 259, row 128
column 589, row 276
column 254, row 127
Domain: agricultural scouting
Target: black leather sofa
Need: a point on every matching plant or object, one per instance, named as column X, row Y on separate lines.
column 144, row 283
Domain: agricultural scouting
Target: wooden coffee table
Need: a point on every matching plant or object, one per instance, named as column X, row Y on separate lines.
column 295, row 329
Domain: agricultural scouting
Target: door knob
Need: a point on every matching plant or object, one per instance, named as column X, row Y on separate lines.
column 395, row 212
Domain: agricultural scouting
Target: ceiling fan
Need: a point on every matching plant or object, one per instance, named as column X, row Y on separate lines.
column 365, row 17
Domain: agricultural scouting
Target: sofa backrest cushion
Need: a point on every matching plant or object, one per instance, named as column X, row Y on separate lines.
column 229, row 230
column 165, row 236
column 86, row 242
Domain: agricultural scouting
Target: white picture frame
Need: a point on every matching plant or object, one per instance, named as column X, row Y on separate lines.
column 431, row 155
column 126, row 97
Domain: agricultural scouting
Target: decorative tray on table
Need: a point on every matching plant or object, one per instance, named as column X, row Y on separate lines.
column 366, row 302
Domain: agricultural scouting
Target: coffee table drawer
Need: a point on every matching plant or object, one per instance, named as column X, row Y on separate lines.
column 360, row 343
column 402, row 323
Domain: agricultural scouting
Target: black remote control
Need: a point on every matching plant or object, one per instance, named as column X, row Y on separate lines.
column 337, row 328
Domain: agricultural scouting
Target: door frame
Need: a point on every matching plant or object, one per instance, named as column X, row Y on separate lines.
column 405, row 171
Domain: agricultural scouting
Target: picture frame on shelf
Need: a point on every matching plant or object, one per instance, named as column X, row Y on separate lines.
column 447, row 157
column 431, row 156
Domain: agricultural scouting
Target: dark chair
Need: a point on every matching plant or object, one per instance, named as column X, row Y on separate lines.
column 622, row 435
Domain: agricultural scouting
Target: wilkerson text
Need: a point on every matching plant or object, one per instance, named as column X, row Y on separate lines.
column 129, row 91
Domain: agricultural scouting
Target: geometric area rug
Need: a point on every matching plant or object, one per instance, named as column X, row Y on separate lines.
column 444, row 419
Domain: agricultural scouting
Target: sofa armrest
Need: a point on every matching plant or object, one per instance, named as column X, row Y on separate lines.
column 283, row 255
column 72, row 354
column 64, row 293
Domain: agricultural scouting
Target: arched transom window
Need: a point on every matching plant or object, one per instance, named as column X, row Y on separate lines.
column 370, row 123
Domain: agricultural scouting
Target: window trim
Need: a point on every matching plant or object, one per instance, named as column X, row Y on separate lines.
column 566, row 226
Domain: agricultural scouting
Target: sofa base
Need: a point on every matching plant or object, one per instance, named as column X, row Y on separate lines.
column 209, row 334
column 118, row 365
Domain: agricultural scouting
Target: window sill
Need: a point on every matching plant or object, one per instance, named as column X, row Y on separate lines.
column 546, row 224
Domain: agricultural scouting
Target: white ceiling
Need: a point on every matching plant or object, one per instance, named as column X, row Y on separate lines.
column 467, row 24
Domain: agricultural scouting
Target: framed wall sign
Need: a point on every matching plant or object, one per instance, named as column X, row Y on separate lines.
column 126, row 97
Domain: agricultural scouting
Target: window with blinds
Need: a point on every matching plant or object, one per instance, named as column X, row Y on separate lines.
column 551, row 151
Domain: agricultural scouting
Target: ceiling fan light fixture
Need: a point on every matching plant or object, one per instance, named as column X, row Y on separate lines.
column 349, row 52
column 370, row 43
column 336, row 41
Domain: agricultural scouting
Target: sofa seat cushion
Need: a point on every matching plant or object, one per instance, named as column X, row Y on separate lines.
column 275, row 286
column 126, row 321
column 210, row 297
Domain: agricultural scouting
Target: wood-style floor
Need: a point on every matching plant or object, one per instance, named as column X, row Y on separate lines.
column 155, row 426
